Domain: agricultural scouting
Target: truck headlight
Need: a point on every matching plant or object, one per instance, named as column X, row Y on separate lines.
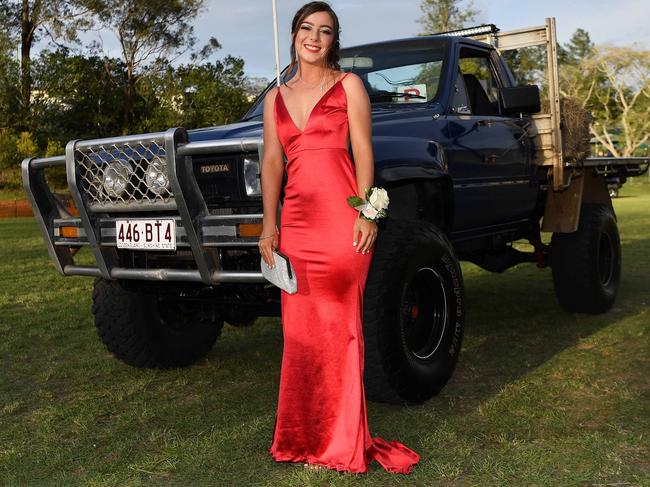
column 252, row 177
column 156, row 177
column 115, row 178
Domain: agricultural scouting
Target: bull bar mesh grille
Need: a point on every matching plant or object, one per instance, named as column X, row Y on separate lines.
column 204, row 233
column 132, row 159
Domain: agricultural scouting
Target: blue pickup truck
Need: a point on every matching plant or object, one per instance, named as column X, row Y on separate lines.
column 471, row 164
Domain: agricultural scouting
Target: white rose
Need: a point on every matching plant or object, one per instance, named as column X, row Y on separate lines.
column 370, row 212
column 379, row 198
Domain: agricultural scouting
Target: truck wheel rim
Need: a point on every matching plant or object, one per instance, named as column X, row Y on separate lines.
column 424, row 313
column 605, row 259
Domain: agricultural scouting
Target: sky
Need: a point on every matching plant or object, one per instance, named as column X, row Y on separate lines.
column 245, row 27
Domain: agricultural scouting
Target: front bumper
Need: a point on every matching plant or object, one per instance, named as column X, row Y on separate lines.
column 200, row 235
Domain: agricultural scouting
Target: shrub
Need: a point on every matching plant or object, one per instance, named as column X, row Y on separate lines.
column 25, row 146
column 56, row 177
column 11, row 178
column 8, row 152
column 13, row 149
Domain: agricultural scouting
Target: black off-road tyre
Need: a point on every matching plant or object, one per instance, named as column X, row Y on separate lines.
column 145, row 330
column 586, row 264
column 413, row 313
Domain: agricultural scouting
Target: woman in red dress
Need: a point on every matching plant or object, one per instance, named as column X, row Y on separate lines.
column 321, row 419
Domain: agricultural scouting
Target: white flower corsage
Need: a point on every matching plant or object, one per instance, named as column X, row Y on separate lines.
column 374, row 206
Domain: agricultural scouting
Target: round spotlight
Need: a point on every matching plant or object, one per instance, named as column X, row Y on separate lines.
column 252, row 176
column 156, row 177
column 115, row 178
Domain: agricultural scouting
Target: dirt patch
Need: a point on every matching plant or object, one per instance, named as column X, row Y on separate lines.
column 15, row 208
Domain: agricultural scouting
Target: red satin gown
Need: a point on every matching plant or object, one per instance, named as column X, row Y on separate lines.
column 321, row 417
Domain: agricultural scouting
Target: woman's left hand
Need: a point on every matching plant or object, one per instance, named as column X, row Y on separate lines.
column 368, row 230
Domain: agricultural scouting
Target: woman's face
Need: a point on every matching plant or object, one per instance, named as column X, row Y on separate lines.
column 314, row 38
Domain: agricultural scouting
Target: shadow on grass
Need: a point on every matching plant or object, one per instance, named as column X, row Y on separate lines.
column 512, row 329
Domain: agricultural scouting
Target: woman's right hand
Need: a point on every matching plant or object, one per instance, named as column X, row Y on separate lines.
column 267, row 245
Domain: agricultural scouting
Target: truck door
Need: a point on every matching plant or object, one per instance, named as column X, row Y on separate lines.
column 489, row 155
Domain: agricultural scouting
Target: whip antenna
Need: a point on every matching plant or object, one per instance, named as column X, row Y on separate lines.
column 277, row 46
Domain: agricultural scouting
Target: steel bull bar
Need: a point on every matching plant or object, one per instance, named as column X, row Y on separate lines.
column 197, row 231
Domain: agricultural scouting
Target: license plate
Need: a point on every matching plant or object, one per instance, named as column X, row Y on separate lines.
column 146, row 234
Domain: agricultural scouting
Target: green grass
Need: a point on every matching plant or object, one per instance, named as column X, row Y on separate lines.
column 540, row 397
column 12, row 194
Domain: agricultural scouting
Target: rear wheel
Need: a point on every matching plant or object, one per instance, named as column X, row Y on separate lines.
column 413, row 313
column 147, row 330
column 586, row 264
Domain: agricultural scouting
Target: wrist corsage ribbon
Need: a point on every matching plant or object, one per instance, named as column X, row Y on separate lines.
column 374, row 206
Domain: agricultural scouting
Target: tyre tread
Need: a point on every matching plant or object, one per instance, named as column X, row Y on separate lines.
column 575, row 275
column 118, row 322
column 384, row 381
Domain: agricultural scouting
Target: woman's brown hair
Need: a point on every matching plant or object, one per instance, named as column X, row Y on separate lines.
column 333, row 54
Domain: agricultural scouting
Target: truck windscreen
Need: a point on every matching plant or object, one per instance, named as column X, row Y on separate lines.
column 400, row 72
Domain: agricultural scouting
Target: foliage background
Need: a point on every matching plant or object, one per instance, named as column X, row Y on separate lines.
column 540, row 397
column 70, row 90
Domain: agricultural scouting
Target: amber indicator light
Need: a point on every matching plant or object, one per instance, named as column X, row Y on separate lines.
column 250, row 229
column 69, row 232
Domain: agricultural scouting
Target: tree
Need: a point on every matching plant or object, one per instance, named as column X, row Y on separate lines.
column 614, row 83
column 149, row 32
column 254, row 85
column 445, row 15
column 9, row 85
column 28, row 21
column 195, row 96
column 627, row 81
column 578, row 48
column 77, row 96
column 578, row 79
column 529, row 64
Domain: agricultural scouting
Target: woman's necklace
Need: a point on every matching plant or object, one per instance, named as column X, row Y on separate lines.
column 321, row 85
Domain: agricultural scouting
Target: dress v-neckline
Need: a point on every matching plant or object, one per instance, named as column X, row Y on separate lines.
column 304, row 129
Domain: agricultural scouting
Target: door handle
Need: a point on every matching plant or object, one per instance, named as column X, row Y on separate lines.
column 491, row 159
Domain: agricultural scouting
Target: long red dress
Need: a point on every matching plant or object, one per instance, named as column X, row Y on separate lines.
column 321, row 417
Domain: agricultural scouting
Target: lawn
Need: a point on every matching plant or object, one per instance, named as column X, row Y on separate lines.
column 540, row 397
column 12, row 194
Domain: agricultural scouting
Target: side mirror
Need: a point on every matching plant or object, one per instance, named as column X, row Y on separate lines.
column 519, row 99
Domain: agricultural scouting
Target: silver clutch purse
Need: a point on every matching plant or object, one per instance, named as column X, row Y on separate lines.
column 282, row 275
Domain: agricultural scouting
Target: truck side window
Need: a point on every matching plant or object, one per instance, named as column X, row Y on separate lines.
column 480, row 80
column 460, row 101
column 419, row 79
